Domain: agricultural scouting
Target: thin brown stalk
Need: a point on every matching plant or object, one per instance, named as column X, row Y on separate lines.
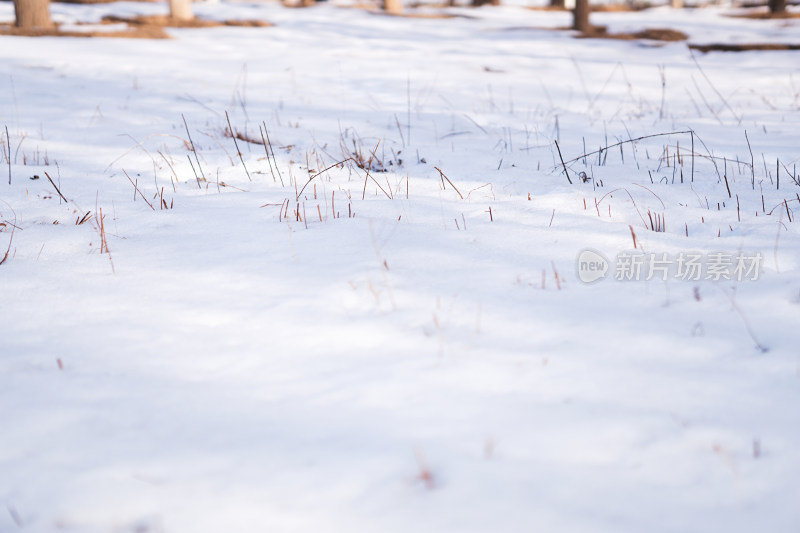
column 266, row 149
column 8, row 157
column 607, row 147
column 629, row 196
column 633, row 234
column 269, row 143
column 719, row 94
column 238, row 152
column 191, row 143
column 562, row 162
column 752, row 162
column 172, row 169
column 136, row 189
column 450, row 182
column 310, row 179
column 10, row 241
column 555, row 274
column 368, row 175
column 56, row 187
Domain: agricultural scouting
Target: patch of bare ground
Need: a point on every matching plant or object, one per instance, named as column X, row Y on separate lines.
column 408, row 14
column 606, row 8
column 601, row 32
column 651, row 34
column 357, row 5
column 762, row 14
column 547, row 8
column 420, row 15
column 621, row 8
column 429, row 5
column 426, row 11
column 139, row 27
column 743, row 47
column 97, row 1
column 141, row 32
column 164, row 21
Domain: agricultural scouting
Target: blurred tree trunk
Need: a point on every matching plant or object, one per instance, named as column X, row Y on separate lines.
column 181, row 9
column 393, row 6
column 557, row 3
column 677, row 4
column 33, row 14
column 580, row 16
column 777, row 6
column 479, row 3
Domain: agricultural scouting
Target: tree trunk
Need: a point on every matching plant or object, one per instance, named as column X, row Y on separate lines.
column 777, row 6
column 557, row 3
column 479, row 3
column 181, row 9
column 677, row 4
column 393, row 7
column 580, row 16
column 33, row 14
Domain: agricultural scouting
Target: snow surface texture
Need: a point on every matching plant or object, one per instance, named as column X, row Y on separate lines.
column 423, row 365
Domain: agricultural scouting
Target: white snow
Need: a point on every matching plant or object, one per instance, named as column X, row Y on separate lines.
column 423, row 365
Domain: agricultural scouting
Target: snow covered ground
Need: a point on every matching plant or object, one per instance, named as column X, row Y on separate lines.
column 393, row 350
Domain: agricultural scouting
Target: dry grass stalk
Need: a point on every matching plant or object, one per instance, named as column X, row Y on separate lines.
column 268, row 144
column 450, row 182
column 191, row 143
column 10, row 241
column 657, row 222
column 103, row 240
column 238, row 152
column 85, row 218
column 555, row 274
column 136, row 190
column 56, row 187
column 8, row 156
